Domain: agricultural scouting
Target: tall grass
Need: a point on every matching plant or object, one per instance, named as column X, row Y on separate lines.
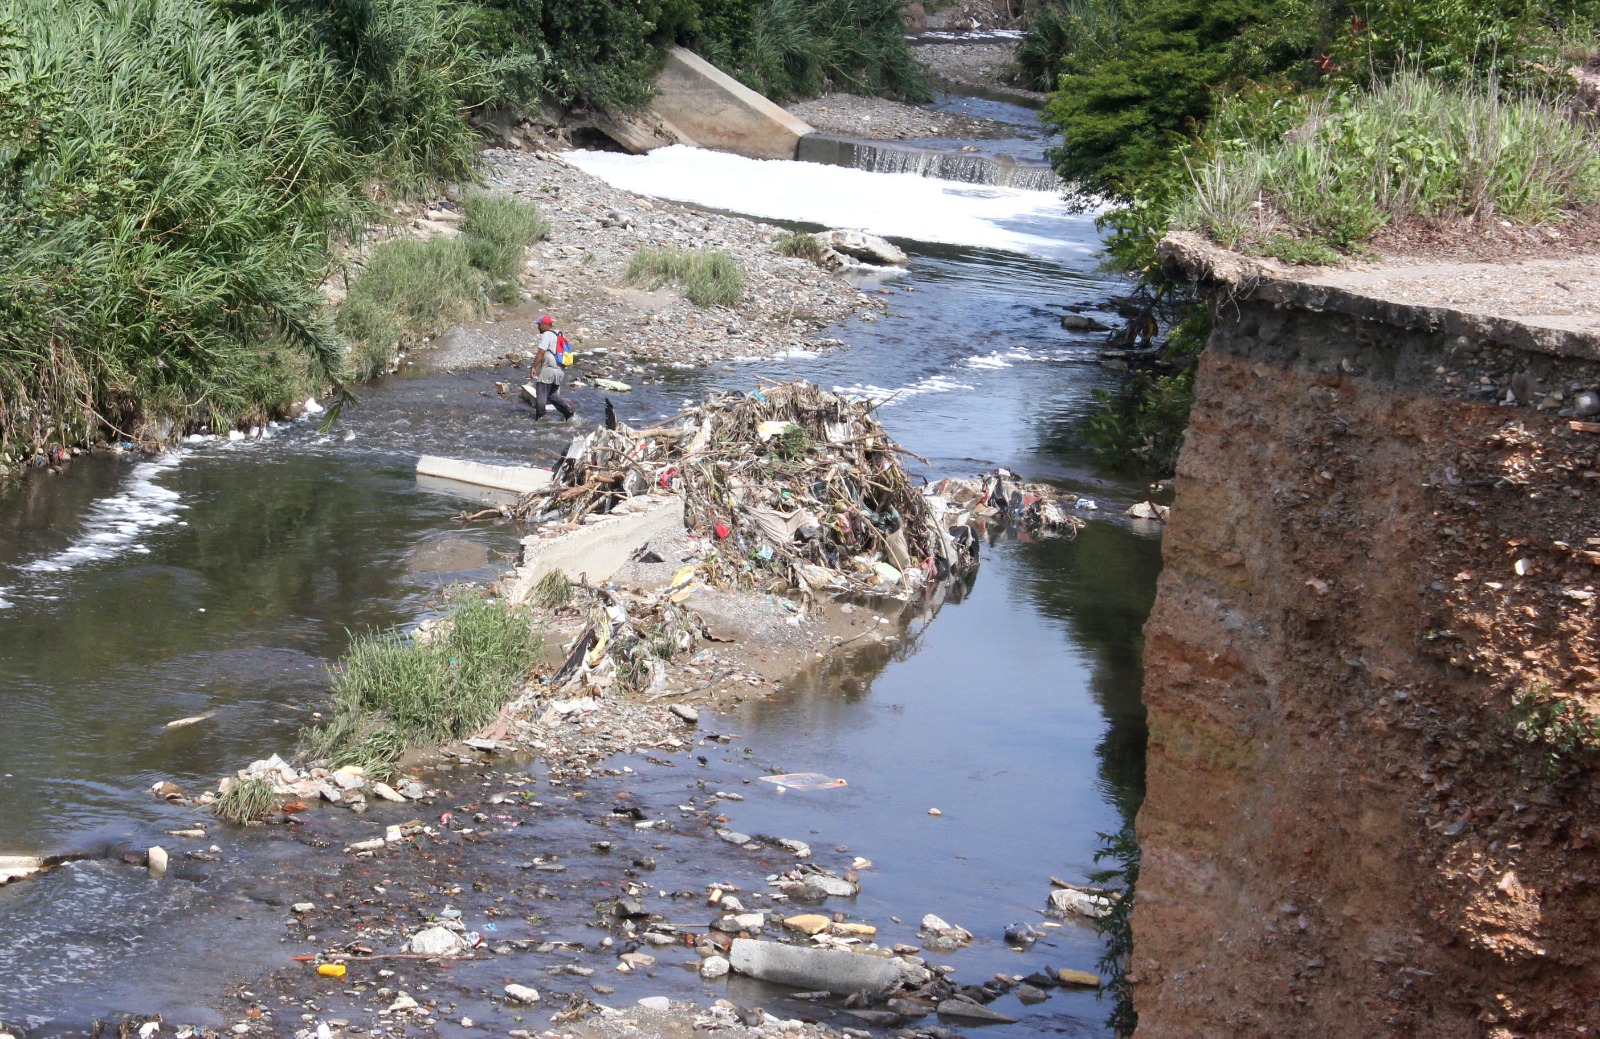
column 709, row 277
column 798, row 48
column 1408, row 148
column 410, row 287
column 174, row 192
column 391, row 691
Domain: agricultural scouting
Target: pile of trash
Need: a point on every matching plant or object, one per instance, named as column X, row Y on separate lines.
column 795, row 488
column 1003, row 497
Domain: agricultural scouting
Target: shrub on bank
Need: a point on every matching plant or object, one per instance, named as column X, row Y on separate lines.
column 1410, row 147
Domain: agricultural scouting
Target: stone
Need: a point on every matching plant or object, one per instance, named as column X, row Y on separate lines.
column 1146, row 510
column 387, row 792
column 685, row 713
column 750, row 921
column 808, row 923
column 303, row 907
column 638, row 960
column 862, row 246
column 839, row 971
column 348, row 778
column 1082, row 978
column 1079, row 323
column 935, row 927
column 402, row 1003
column 734, row 836
column 1586, row 404
column 522, row 994
column 801, row 849
column 437, row 941
column 713, row 967
column 961, row 1009
column 820, row 885
column 1066, row 900
column 1030, row 995
column 855, row 930
column 661, row 1003
column 156, row 861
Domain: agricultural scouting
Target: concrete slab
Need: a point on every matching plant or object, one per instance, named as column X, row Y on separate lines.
column 15, row 867
column 595, row 550
column 696, row 101
column 518, row 479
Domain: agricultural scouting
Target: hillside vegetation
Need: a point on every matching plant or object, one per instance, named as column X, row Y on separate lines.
column 1299, row 129
column 178, row 176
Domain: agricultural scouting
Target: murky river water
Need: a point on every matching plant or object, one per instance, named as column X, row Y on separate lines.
column 220, row 580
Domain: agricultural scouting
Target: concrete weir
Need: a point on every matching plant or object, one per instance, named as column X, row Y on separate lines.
column 700, row 105
column 879, row 157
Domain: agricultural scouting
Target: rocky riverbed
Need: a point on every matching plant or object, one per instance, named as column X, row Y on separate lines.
column 578, row 274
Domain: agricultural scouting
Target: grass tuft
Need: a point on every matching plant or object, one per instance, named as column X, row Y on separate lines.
column 554, row 589
column 392, row 691
column 498, row 230
column 802, row 245
column 709, row 277
column 247, row 800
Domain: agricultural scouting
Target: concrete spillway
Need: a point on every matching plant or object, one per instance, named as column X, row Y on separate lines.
column 964, row 167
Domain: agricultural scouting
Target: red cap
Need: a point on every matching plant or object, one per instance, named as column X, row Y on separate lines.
column 546, row 319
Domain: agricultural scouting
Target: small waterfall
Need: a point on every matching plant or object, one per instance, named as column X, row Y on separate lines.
column 965, row 167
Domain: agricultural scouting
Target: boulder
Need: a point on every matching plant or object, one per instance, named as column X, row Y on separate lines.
column 974, row 1012
column 859, row 245
column 437, row 941
column 522, row 994
column 713, row 967
column 1079, row 323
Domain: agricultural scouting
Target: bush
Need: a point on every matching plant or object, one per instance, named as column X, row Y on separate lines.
column 391, row 691
column 709, row 277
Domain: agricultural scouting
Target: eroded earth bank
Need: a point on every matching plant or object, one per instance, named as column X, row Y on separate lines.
column 1372, row 661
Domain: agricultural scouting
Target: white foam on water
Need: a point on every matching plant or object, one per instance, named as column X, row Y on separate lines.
column 884, row 397
column 113, row 526
column 5, row 605
column 897, row 205
column 989, row 361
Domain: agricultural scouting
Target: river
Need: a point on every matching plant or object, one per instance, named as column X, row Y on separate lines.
column 222, row 578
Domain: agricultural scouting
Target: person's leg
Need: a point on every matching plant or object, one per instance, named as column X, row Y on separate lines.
column 541, row 399
column 563, row 405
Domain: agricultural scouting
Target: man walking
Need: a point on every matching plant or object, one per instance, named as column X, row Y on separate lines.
column 547, row 374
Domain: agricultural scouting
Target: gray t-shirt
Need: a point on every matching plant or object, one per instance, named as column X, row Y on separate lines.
column 550, row 368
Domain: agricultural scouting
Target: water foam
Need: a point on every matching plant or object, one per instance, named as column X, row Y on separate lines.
column 898, row 205
column 884, row 397
column 115, row 525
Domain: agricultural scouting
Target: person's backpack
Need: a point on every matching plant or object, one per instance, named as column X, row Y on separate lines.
column 565, row 354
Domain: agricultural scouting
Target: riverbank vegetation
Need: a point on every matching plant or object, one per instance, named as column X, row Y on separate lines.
column 393, row 691
column 178, row 176
column 409, row 287
column 1300, row 129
